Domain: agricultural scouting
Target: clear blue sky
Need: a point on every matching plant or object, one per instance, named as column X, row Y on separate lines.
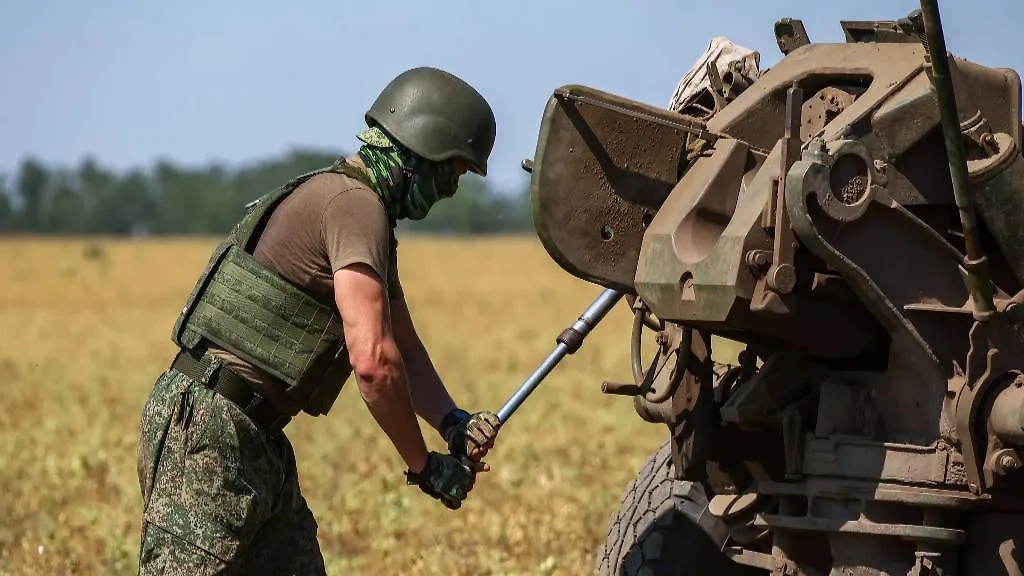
column 194, row 81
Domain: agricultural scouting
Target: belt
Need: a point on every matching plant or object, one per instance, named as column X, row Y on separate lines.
column 196, row 365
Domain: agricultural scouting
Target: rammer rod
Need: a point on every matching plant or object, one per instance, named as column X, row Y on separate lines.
column 569, row 341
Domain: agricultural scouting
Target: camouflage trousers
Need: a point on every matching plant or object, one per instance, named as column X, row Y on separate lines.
column 221, row 495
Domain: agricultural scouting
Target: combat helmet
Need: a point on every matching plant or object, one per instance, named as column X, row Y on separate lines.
column 436, row 115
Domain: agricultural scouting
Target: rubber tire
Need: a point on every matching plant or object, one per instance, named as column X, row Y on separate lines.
column 652, row 535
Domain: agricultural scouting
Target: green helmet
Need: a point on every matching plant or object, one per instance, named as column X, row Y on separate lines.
column 436, row 115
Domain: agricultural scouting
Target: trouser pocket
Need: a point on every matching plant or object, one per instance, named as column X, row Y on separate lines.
column 207, row 469
column 166, row 554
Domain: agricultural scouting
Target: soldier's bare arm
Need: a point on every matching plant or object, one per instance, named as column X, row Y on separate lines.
column 377, row 361
column 429, row 395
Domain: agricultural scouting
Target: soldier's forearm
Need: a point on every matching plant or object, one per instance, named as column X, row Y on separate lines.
column 429, row 395
column 430, row 398
column 386, row 393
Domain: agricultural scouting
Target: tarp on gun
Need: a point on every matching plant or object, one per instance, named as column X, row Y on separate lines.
column 723, row 52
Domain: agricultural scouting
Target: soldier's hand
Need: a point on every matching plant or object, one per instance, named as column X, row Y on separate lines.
column 474, row 437
column 445, row 477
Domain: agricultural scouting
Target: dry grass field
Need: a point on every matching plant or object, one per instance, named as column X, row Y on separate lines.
column 84, row 331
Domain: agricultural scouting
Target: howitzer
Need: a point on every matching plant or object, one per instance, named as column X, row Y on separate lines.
column 853, row 218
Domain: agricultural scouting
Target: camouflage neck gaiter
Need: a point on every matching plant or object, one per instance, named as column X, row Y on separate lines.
column 390, row 165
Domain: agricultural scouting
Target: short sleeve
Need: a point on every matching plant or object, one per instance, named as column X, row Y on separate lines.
column 355, row 230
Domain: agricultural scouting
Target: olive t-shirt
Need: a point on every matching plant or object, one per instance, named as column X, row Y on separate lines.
column 329, row 222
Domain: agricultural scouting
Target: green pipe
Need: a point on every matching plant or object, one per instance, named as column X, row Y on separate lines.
column 978, row 282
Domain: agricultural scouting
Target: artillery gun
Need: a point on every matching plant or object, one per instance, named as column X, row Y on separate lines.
column 853, row 217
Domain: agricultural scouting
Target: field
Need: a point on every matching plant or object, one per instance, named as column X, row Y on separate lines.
column 84, row 330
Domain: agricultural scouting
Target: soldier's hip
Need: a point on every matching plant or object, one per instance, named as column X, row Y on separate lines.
column 203, row 367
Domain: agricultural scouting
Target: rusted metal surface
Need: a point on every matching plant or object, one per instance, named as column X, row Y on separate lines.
column 599, row 175
column 890, row 31
column 1006, row 419
column 823, row 107
column 757, row 116
column 781, row 381
column 996, row 359
column 693, row 268
column 659, row 380
column 579, row 95
column 1000, row 202
column 859, row 459
column 875, row 424
column 975, row 263
column 694, row 411
column 656, row 383
column 790, row 34
column 855, row 247
column 775, row 565
column 780, row 278
column 866, row 491
column 702, row 215
column 910, row 148
column 927, row 534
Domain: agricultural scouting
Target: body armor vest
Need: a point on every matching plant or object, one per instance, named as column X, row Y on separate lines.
column 255, row 313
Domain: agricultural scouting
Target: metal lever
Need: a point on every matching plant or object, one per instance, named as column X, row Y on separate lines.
column 569, row 341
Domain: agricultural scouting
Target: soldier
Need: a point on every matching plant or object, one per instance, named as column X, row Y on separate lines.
column 302, row 293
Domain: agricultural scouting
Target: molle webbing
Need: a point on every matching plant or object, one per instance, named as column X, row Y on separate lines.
column 257, row 314
column 261, row 317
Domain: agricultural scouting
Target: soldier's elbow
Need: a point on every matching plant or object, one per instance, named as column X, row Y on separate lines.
column 376, row 364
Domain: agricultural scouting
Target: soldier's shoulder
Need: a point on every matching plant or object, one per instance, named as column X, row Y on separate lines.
column 335, row 183
column 345, row 197
column 329, row 188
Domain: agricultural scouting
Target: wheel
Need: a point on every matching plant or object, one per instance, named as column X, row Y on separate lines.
column 654, row 533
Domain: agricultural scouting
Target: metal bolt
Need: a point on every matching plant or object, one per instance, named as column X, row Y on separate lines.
column 1009, row 461
column 756, row 258
column 782, row 278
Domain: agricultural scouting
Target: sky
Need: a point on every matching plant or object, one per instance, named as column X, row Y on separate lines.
column 195, row 81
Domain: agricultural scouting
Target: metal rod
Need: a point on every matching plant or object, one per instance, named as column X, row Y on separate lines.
column 978, row 278
column 568, row 343
column 697, row 131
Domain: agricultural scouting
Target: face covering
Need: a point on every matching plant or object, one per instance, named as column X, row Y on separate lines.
column 407, row 184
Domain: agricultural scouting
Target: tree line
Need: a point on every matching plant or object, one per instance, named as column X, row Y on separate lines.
column 169, row 199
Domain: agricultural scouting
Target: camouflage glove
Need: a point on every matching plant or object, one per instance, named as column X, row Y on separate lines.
column 468, row 433
column 446, row 478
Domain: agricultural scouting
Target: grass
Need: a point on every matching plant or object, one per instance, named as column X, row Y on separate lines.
column 84, row 331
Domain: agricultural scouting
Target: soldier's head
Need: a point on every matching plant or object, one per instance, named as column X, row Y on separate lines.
column 441, row 127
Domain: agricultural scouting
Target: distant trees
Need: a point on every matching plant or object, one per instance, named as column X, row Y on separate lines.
column 172, row 199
